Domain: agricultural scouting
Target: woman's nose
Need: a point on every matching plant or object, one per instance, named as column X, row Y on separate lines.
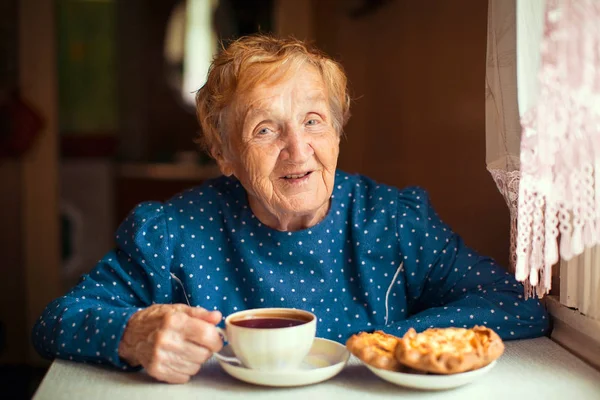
column 297, row 146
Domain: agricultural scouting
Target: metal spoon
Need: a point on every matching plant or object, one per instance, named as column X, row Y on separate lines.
column 221, row 357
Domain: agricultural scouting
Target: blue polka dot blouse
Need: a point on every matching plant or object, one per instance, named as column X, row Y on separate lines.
column 381, row 259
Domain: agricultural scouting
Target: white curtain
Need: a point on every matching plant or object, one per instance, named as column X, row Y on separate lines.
column 560, row 148
column 543, row 140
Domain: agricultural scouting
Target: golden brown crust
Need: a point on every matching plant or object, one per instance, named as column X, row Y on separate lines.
column 449, row 350
column 377, row 349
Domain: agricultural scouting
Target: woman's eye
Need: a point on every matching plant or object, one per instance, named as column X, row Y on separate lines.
column 312, row 122
column 264, row 131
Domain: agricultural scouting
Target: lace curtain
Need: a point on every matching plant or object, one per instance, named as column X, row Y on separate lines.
column 555, row 199
column 560, row 149
column 503, row 130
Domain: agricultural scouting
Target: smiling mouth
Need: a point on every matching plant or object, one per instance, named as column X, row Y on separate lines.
column 297, row 176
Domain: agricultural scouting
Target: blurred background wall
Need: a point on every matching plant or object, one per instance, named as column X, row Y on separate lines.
column 96, row 114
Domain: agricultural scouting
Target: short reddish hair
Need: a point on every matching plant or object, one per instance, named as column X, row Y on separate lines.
column 254, row 59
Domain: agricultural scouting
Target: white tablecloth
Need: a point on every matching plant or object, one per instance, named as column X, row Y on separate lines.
column 536, row 369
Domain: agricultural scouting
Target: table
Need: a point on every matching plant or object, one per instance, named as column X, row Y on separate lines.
column 529, row 369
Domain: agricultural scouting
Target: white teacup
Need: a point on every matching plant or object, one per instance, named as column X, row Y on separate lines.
column 270, row 338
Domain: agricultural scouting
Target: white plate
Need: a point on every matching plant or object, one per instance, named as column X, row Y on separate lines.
column 431, row 382
column 324, row 361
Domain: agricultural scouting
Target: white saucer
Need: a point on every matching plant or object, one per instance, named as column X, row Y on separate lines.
column 324, row 361
column 431, row 382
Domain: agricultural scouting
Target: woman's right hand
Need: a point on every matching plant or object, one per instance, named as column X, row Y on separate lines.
column 171, row 341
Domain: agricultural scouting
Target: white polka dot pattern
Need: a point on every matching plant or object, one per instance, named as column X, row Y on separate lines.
column 381, row 259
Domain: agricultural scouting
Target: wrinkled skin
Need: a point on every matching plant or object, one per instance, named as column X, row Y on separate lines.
column 285, row 128
column 171, row 341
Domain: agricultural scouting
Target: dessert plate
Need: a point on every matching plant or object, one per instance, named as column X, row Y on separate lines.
column 430, row 382
column 324, row 361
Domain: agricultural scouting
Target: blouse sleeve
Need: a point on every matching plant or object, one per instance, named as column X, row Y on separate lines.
column 87, row 323
column 449, row 284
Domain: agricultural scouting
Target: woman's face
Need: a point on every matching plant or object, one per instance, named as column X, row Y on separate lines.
column 284, row 150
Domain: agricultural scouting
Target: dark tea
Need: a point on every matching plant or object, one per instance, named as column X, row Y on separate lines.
column 268, row 323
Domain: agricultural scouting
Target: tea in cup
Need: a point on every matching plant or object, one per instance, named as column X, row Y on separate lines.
column 270, row 338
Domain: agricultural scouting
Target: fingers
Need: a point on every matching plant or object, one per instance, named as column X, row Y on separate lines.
column 196, row 354
column 186, row 351
column 188, row 358
column 203, row 334
column 172, row 360
column 193, row 330
column 167, row 373
column 158, row 362
column 198, row 327
column 213, row 317
column 176, row 341
column 183, row 365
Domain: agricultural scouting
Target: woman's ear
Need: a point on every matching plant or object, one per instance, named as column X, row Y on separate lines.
column 225, row 165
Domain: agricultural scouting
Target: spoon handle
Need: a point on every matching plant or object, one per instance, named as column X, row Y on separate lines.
column 231, row 360
column 221, row 357
column 182, row 288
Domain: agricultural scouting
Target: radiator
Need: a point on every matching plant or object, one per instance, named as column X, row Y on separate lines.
column 580, row 282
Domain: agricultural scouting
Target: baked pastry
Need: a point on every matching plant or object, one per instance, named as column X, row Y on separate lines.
column 449, row 350
column 433, row 351
column 377, row 349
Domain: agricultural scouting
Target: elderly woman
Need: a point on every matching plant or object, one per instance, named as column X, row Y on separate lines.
column 281, row 228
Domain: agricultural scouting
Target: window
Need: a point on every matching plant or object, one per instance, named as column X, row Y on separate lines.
column 190, row 43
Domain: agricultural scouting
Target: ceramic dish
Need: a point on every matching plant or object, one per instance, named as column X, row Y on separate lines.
column 324, row 361
column 431, row 382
